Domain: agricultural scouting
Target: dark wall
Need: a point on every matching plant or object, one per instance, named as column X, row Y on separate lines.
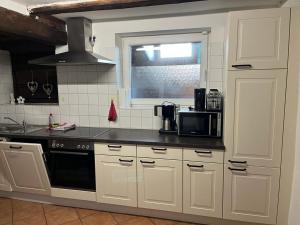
column 21, row 53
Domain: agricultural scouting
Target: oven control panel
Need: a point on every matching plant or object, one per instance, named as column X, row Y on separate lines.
column 70, row 145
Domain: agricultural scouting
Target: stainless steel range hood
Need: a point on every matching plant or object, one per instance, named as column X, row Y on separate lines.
column 80, row 43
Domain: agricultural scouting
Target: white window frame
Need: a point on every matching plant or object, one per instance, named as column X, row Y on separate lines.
column 161, row 39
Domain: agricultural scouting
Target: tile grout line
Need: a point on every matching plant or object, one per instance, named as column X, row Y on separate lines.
column 78, row 215
column 44, row 214
column 114, row 218
column 12, row 211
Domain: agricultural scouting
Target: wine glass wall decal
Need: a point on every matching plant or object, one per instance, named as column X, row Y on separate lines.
column 48, row 88
column 32, row 85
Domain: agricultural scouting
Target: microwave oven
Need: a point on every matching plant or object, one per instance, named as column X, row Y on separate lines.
column 200, row 123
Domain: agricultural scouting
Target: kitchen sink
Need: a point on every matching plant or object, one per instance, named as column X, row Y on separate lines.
column 17, row 129
column 10, row 128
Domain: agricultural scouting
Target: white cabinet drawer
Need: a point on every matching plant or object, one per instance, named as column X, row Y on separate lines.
column 203, row 155
column 115, row 149
column 159, row 152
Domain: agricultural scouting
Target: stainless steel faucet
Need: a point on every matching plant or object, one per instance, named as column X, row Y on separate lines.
column 23, row 125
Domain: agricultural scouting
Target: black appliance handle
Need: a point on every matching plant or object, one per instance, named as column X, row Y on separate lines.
column 203, row 152
column 239, row 170
column 237, row 162
column 70, row 153
column 147, row 162
column 126, row 161
column 242, row 66
column 15, row 147
column 195, row 166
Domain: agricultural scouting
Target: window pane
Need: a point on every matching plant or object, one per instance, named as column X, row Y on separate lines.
column 161, row 70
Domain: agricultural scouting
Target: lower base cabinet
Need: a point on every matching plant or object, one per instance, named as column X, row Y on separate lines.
column 251, row 195
column 4, row 183
column 203, row 188
column 160, row 184
column 25, row 167
column 116, row 180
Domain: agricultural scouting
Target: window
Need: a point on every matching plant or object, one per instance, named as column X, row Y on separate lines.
column 164, row 68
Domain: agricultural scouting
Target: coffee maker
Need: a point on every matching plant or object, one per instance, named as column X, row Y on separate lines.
column 168, row 113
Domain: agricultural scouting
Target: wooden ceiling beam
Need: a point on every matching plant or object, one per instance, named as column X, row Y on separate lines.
column 43, row 28
column 100, row 5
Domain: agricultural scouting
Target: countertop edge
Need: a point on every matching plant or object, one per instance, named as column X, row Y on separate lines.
column 99, row 139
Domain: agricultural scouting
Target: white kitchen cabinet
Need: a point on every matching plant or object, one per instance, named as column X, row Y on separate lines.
column 251, row 195
column 4, row 183
column 24, row 165
column 203, row 188
column 116, row 180
column 259, row 38
column 160, row 184
column 254, row 117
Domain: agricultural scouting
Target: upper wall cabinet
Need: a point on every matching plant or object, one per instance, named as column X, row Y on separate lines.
column 258, row 39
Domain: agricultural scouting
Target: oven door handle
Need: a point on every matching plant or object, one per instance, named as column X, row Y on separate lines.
column 69, row 153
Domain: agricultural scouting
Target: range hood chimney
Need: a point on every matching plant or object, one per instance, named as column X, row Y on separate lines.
column 80, row 43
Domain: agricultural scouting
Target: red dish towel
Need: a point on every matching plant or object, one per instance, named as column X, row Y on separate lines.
column 112, row 115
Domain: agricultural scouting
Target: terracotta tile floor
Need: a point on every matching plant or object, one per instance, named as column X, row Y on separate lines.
column 17, row 212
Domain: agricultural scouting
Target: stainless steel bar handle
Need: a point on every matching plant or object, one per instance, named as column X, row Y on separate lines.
column 44, row 157
column 69, row 153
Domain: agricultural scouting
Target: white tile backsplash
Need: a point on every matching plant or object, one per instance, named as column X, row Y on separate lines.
column 84, row 121
column 136, row 122
column 73, row 99
column 83, row 110
column 147, row 123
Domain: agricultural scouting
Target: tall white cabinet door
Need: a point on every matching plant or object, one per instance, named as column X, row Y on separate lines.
column 259, row 38
column 254, row 116
column 160, row 184
column 251, row 195
column 4, row 183
column 116, row 180
column 203, row 188
column 25, row 167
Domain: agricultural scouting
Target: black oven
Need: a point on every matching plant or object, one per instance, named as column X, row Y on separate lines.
column 200, row 123
column 71, row 164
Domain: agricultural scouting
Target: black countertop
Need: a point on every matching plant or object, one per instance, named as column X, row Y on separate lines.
column 153, row 137
column 123, row 136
